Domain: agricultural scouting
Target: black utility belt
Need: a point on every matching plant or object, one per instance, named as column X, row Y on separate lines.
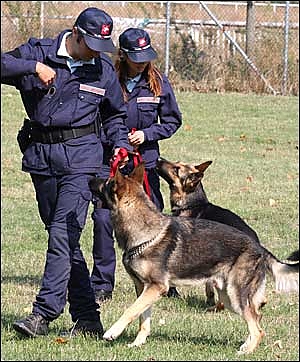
column 57, row 135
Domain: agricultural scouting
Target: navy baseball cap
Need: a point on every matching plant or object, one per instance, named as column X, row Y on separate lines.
column 136, row 43
column 96, row 26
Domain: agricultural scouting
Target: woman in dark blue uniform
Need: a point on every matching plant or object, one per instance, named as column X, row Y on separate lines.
column 66, row 84
column 152, row 115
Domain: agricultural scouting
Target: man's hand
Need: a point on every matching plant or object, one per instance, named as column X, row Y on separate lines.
column 46, row 74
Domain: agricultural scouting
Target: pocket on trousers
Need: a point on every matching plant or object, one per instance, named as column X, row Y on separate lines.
column 35, row 157
column 84, row 200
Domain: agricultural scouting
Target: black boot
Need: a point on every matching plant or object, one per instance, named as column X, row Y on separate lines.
column 102, row 296
column 32, row 326
column 173, row 293
column 85, row 327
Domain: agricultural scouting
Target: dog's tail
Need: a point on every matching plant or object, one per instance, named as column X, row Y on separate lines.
column 294, row 256
column 286, row 275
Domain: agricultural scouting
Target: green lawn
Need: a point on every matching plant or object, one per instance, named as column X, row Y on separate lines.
column 253, row 143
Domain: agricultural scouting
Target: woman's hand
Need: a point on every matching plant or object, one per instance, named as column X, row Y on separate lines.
column 136, row 138
column 121, row 157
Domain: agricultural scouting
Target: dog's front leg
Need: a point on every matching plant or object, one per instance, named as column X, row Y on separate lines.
column 144, row 330
column 149, row 296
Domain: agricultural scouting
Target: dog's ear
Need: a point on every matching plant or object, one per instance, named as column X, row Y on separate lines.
column 191, row 182
column 138, row 172
column 119, row 177
column 203, row 166
column 120, row 182
column 96, row 185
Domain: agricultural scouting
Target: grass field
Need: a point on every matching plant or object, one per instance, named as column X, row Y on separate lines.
column 253, row 143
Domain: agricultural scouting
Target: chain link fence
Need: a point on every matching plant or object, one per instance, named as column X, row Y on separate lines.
column 198, row 42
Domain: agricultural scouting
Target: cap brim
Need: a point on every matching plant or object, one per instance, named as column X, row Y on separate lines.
column 142, row 56
column 99, row 45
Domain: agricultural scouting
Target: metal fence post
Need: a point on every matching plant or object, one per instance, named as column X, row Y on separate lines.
column 167, row 50
column 250, row 29
column 241, row 51
column 286, row 46
column 42, row 20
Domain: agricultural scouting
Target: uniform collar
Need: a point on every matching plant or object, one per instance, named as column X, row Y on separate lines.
column 135, row 79
column 131, row 82
column 52, row 53
column 62, row 52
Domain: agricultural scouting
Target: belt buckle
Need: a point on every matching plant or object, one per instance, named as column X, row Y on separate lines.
column 73, row 130
column 50, row 137
column 44, row 137
column 60, row 137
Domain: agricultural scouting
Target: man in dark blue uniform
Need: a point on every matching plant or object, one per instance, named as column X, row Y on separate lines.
column 69, row 89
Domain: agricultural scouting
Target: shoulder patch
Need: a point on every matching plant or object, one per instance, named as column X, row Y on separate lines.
column 91, row 89
column 148, row 100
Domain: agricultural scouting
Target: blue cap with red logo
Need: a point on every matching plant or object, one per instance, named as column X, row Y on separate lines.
column 136, row 43
column 96, row 26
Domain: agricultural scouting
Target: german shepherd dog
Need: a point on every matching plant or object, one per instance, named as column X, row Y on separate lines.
column 161, row 250
column 188, row 198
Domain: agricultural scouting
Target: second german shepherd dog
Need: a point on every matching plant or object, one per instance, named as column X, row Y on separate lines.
column 188, row 198
column 162, row 250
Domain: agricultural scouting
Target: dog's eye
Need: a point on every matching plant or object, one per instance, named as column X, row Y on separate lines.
column 184, row 181
column 176, row 171
column 188, row 180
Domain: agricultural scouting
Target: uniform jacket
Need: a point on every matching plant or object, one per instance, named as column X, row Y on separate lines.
column 78, row 99
column 159, row 118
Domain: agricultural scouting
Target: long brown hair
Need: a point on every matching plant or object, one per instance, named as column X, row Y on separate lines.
column 152, row 74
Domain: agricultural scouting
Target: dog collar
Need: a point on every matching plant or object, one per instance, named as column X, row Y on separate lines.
column 177, row 208
column 138, row 250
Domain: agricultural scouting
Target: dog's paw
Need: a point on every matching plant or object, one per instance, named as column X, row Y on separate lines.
column 251, row 343
column 139, row 341
column 216, row 308
column 107, row 337
column 110, row 335
column 136, row 343
column 244, row 349
column 133, row 344
column 247, row 347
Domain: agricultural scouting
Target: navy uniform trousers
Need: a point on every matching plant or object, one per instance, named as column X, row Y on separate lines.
column 63, row 205
column 104, row 256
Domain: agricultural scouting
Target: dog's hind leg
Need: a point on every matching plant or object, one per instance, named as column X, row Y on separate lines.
column 246, row 299
column 252, row 317
column 251, row 314
column 210, row 294
column 149, row 296
column 144, row 330
column 209, row 290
